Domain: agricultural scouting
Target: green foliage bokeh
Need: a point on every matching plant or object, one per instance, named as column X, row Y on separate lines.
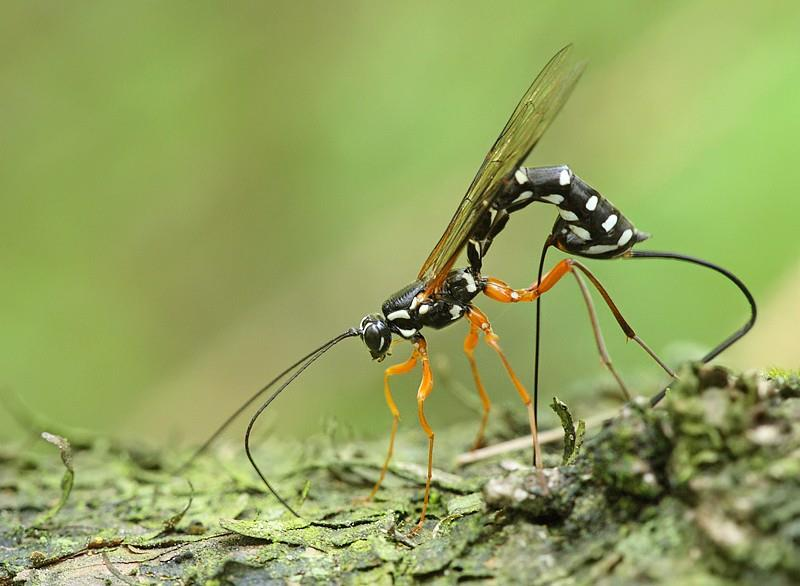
column 194, row 194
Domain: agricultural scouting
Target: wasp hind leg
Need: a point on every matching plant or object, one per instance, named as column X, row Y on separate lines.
column 605, row 358
column 500, row 291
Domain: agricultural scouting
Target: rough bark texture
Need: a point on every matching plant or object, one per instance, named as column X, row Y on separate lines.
column 702, row 490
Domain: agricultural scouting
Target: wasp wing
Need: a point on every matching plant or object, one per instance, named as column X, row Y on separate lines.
column 534, row 113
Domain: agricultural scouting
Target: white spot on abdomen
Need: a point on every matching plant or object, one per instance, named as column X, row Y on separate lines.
column 626, row 235
column 521, row 176
column 567, row 215
column 591, row 203
column 610, row 222
column 581, row 233
column 564, row 178
column 524, row 196
column 600, row 248
column 553, row 198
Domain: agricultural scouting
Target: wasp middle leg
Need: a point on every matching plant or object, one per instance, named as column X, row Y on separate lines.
column 480, row 322
column 470, row 343
column 425, row 388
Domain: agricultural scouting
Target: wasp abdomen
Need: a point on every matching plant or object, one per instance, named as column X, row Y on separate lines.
column 588, row 224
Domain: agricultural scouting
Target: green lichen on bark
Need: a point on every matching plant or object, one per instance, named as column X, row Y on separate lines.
column 573, row 434
column 704, row 489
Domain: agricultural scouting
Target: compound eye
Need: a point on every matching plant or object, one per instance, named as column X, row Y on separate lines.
column 373, row 338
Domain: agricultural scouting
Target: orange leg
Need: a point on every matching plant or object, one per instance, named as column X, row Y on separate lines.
column 391, row 371
column 500, row 291
column 479, row 320
column 425, row 388
column 469, row 349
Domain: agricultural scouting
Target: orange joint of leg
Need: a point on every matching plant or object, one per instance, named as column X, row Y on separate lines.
column 500, row 291
column 552, row 277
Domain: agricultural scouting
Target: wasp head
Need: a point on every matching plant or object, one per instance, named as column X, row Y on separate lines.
column 377, row 336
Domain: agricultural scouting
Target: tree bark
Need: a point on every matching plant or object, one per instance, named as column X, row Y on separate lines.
column 703, row 489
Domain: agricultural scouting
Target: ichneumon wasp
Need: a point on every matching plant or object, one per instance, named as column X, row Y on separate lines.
column 588, row 225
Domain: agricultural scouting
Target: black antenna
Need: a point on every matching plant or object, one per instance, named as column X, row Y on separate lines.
column 255, row 396
column 735, row 336
column 713, row 353
column 311, row 359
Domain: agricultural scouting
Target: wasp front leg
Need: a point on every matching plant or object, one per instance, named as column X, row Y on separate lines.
column 419, row 354
column 402, row 368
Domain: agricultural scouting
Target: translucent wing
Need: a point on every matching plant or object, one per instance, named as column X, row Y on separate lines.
column 527, row 124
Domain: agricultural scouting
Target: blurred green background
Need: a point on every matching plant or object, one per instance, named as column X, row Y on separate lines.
column 194, row 195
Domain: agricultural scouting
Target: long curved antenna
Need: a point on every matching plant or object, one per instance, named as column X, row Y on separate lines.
column 311, row 359
column 735, row 336
column 255, row 396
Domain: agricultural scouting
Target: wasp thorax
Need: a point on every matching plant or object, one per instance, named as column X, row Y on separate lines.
column 377, row 335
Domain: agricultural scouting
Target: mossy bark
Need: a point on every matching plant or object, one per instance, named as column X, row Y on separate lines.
column 704, row 489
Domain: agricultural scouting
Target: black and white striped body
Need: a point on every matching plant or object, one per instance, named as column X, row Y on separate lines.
column 407, row 312
column 588, row 225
